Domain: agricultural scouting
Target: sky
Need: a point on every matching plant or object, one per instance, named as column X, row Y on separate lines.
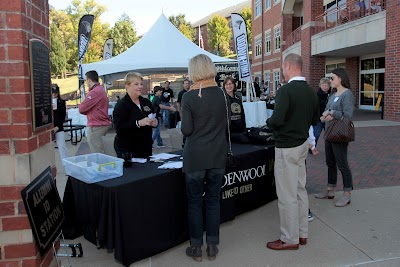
column 145, row 12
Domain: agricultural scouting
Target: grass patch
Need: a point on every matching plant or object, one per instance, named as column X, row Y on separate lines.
column 67, row 85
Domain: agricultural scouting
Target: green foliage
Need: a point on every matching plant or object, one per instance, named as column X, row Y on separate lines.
column 124, row 34
column 57, row 51
column 246, row 14
column 183, row 26
column 67, row 21
column 219, row 35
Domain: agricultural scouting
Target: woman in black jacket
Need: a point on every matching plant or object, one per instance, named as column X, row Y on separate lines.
column 323, row 93
column 132, row 123
column 59, row 112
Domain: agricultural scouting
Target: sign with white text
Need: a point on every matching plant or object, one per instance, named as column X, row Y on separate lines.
column 44, row 209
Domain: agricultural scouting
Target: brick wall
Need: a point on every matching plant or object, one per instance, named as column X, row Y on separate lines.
column 352, row 67
column 392, row 62
column 20, row 147
column 269, row 19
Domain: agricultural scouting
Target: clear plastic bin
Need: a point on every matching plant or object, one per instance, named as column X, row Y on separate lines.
column 93, row 168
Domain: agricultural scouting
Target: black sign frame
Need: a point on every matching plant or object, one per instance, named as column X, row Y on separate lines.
column 44, row 209
column 40, row 74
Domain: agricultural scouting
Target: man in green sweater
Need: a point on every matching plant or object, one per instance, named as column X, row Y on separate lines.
column 296, row 108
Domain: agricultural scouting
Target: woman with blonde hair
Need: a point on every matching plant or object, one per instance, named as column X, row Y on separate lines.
column 204, row 124
column 131, row 121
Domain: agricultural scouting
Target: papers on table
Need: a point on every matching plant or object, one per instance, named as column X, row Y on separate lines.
column 139, row 160
column 163, row 156
column 172, row 165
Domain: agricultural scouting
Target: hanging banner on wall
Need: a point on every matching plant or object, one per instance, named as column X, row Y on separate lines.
column 108, row 48
column 84, row 33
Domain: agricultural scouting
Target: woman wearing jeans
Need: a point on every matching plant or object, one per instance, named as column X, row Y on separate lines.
column 340, row 104
column 204, row 124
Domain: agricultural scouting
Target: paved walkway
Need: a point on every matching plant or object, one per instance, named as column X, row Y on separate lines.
column 364, row 233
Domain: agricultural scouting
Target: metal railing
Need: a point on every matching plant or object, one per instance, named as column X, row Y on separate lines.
column 349, row 11
column 293, row 37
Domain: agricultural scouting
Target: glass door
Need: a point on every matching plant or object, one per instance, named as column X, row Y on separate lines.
column 372, row 81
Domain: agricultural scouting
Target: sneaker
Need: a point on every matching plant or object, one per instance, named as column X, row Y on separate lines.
column 310, row 216
column 160, row 146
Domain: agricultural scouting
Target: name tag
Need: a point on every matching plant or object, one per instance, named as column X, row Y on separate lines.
column 336, row 99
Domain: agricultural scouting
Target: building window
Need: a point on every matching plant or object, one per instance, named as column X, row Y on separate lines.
column 267, row 4
column 267, row 81
column 258, row 8
column 277, row 38
column 277, row 79
column 330, row 67
column 257, row 46
column 268, row 42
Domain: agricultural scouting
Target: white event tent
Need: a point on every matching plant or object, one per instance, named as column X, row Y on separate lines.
column 163, row 49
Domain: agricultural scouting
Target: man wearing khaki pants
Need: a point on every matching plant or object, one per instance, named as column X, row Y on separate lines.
column 95, row 106
column 296, row 108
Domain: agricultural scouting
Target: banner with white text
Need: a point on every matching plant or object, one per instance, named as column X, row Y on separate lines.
column 84, row 33
column 242, row 48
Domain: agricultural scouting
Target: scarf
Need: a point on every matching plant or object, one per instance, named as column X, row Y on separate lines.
column 203, row 84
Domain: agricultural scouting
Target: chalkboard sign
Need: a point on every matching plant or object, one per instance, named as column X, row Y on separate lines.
column 39, row 58
column 227, row 69
column 44, row 208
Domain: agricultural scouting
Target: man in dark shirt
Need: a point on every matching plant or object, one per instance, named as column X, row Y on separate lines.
column 167, row 95
column 186, row 85
column 296, row 108
column 158, row 107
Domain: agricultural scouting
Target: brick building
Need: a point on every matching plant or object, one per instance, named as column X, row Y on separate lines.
column 226, row 13
column 24, row 151
column 360, row 36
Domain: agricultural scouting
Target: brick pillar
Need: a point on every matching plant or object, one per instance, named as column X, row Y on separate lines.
column 392, row 63
column 24, row 154
column 313, row 66
column 352, row 68
column 287, row 29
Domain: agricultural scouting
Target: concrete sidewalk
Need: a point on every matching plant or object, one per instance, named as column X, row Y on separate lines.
column 364, row 233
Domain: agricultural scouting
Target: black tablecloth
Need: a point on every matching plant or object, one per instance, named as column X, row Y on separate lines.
column 144, row 212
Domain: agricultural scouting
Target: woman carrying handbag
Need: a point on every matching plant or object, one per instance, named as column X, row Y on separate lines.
column 340, row 105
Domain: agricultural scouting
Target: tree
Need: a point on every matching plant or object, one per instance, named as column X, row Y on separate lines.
column 246, row 14
column 124, row 34
column 219, row 35
column 67, row 22
column 183, row 26
column 58, row 57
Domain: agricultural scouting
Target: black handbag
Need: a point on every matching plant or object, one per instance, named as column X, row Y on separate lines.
column 231, row 160
column 340, row 131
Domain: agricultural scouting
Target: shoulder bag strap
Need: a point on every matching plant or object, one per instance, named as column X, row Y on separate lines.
column 227, row 120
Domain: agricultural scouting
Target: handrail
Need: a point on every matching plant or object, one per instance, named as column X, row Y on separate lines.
column 349, row 11
column 293, row 37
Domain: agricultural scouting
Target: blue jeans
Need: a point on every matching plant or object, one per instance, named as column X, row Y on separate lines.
column 156, row 133
column 195, row 188
column 317, row 130
column 165, row 113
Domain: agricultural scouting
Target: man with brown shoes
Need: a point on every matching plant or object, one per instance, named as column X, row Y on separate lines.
column 296, row 108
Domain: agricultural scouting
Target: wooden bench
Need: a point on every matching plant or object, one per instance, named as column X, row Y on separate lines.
column 73, row 132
